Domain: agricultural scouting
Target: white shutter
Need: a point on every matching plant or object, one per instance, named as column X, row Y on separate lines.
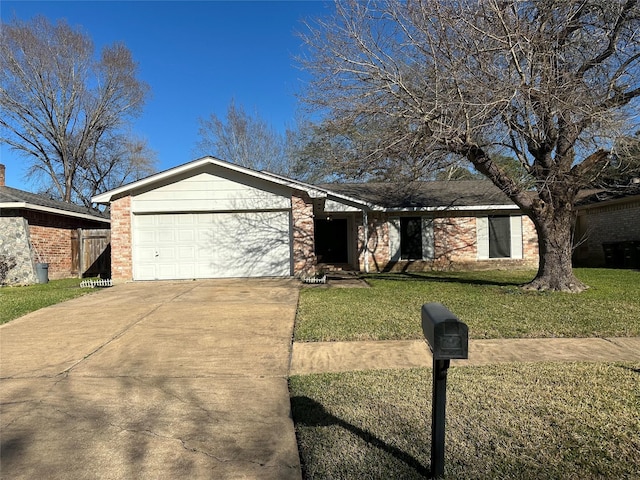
column 516, row 236
column 428, row 246
column 482, row 237
column 394, row 239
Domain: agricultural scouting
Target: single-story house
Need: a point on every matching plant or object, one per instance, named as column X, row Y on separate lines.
column 37, row 230
column 212, row 219
column 607, row 232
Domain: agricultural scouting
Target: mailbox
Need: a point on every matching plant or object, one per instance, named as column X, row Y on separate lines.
column 447, row 336
column 448, row 339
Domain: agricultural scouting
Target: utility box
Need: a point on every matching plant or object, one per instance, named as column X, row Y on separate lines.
column 447, row 336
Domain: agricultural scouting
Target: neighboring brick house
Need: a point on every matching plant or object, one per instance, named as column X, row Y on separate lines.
column 36, row 229
column 607, row 232
column 211, row 219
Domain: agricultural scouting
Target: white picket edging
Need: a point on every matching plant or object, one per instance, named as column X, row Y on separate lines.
column 322, row 279
column 102, row 282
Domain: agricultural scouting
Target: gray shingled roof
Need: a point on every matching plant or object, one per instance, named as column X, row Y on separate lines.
column 454, row 193
column 13, row 195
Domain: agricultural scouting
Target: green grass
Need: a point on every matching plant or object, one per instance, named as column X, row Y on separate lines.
column 521, row 421
column 491, row 303
column 18, row 301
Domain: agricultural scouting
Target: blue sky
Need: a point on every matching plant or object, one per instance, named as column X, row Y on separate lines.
column 196, row 56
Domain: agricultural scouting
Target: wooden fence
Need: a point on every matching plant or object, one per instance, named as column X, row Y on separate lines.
column 91, row 253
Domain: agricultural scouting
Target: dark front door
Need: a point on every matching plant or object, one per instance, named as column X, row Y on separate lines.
column 331, row 240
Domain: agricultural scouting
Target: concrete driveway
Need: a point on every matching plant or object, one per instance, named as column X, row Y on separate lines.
column 152, row 380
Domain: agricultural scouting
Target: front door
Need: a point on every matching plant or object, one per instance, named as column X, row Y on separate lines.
column 331, row 240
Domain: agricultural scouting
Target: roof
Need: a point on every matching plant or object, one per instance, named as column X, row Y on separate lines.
column 106, row 197
column 14, row 198
column 455, row 194
column 595, row 197
column 452, row 194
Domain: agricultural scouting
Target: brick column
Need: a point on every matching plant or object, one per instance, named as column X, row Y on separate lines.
column 121, row 260
column 530, row 253
column 304, row 257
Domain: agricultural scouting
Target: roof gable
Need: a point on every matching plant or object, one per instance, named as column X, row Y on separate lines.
column 181, row 171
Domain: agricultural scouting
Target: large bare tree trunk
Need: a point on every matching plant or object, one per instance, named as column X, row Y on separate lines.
column 555, row 242
column 533, row 94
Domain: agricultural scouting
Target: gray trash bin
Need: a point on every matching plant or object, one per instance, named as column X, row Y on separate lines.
column 42, row 272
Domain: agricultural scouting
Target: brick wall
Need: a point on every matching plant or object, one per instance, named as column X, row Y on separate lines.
column 304, row 258
column 121, row 241
column 378, row 245
column 53, row 246
column 50, row 237
column 530, row 250
column 454, row 242
column 616, row 222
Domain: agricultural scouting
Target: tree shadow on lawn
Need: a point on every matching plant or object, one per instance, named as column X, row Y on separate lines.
column 631, row 369
column 452, row 278
column 310, row 413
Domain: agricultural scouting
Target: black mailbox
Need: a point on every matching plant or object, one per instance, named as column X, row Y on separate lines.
column 447, row 336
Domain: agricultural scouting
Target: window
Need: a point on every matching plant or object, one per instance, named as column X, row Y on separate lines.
column 411, row 238
column 499, row 236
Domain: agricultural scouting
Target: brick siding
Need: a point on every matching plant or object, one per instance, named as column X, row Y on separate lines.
column 50, row 237
column 530, row 251
column 121, row 241
column 454, row 242
column 616, row 222
column 304, row 258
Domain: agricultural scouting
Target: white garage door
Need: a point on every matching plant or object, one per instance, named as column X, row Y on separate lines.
column 211, row 245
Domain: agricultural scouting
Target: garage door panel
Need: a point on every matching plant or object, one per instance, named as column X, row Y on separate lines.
column 220, row 245
column 184, row 235
column 204, row 218
column 256, row 245
column 185, row 219
column 186, row 271
column 167, row 271
column 146, row 254
column 166, row 236
column 146, row 221
column 146, row 237
column 146, row 272
column 166, row 220
column 186, row 253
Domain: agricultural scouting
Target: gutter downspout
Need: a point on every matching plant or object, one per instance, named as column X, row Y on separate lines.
column 365, row 224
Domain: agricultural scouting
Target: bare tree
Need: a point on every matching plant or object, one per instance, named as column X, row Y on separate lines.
column 245, row 140
column 61, row 107
column 550, row 83
column 119, row 160
column 341, row 151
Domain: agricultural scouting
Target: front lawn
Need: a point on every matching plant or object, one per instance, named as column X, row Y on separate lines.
column 491, row 303
column 18, row 301
column 521, row 421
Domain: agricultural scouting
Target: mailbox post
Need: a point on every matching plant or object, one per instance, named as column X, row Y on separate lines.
column 448, row 338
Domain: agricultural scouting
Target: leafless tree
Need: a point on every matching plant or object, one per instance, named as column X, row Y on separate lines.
column 65, row 110
column 121, row 159
column 550, row 83
column 245, row 140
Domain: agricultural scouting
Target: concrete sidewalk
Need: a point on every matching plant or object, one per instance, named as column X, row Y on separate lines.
column 320, row 357
column 152, row 380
